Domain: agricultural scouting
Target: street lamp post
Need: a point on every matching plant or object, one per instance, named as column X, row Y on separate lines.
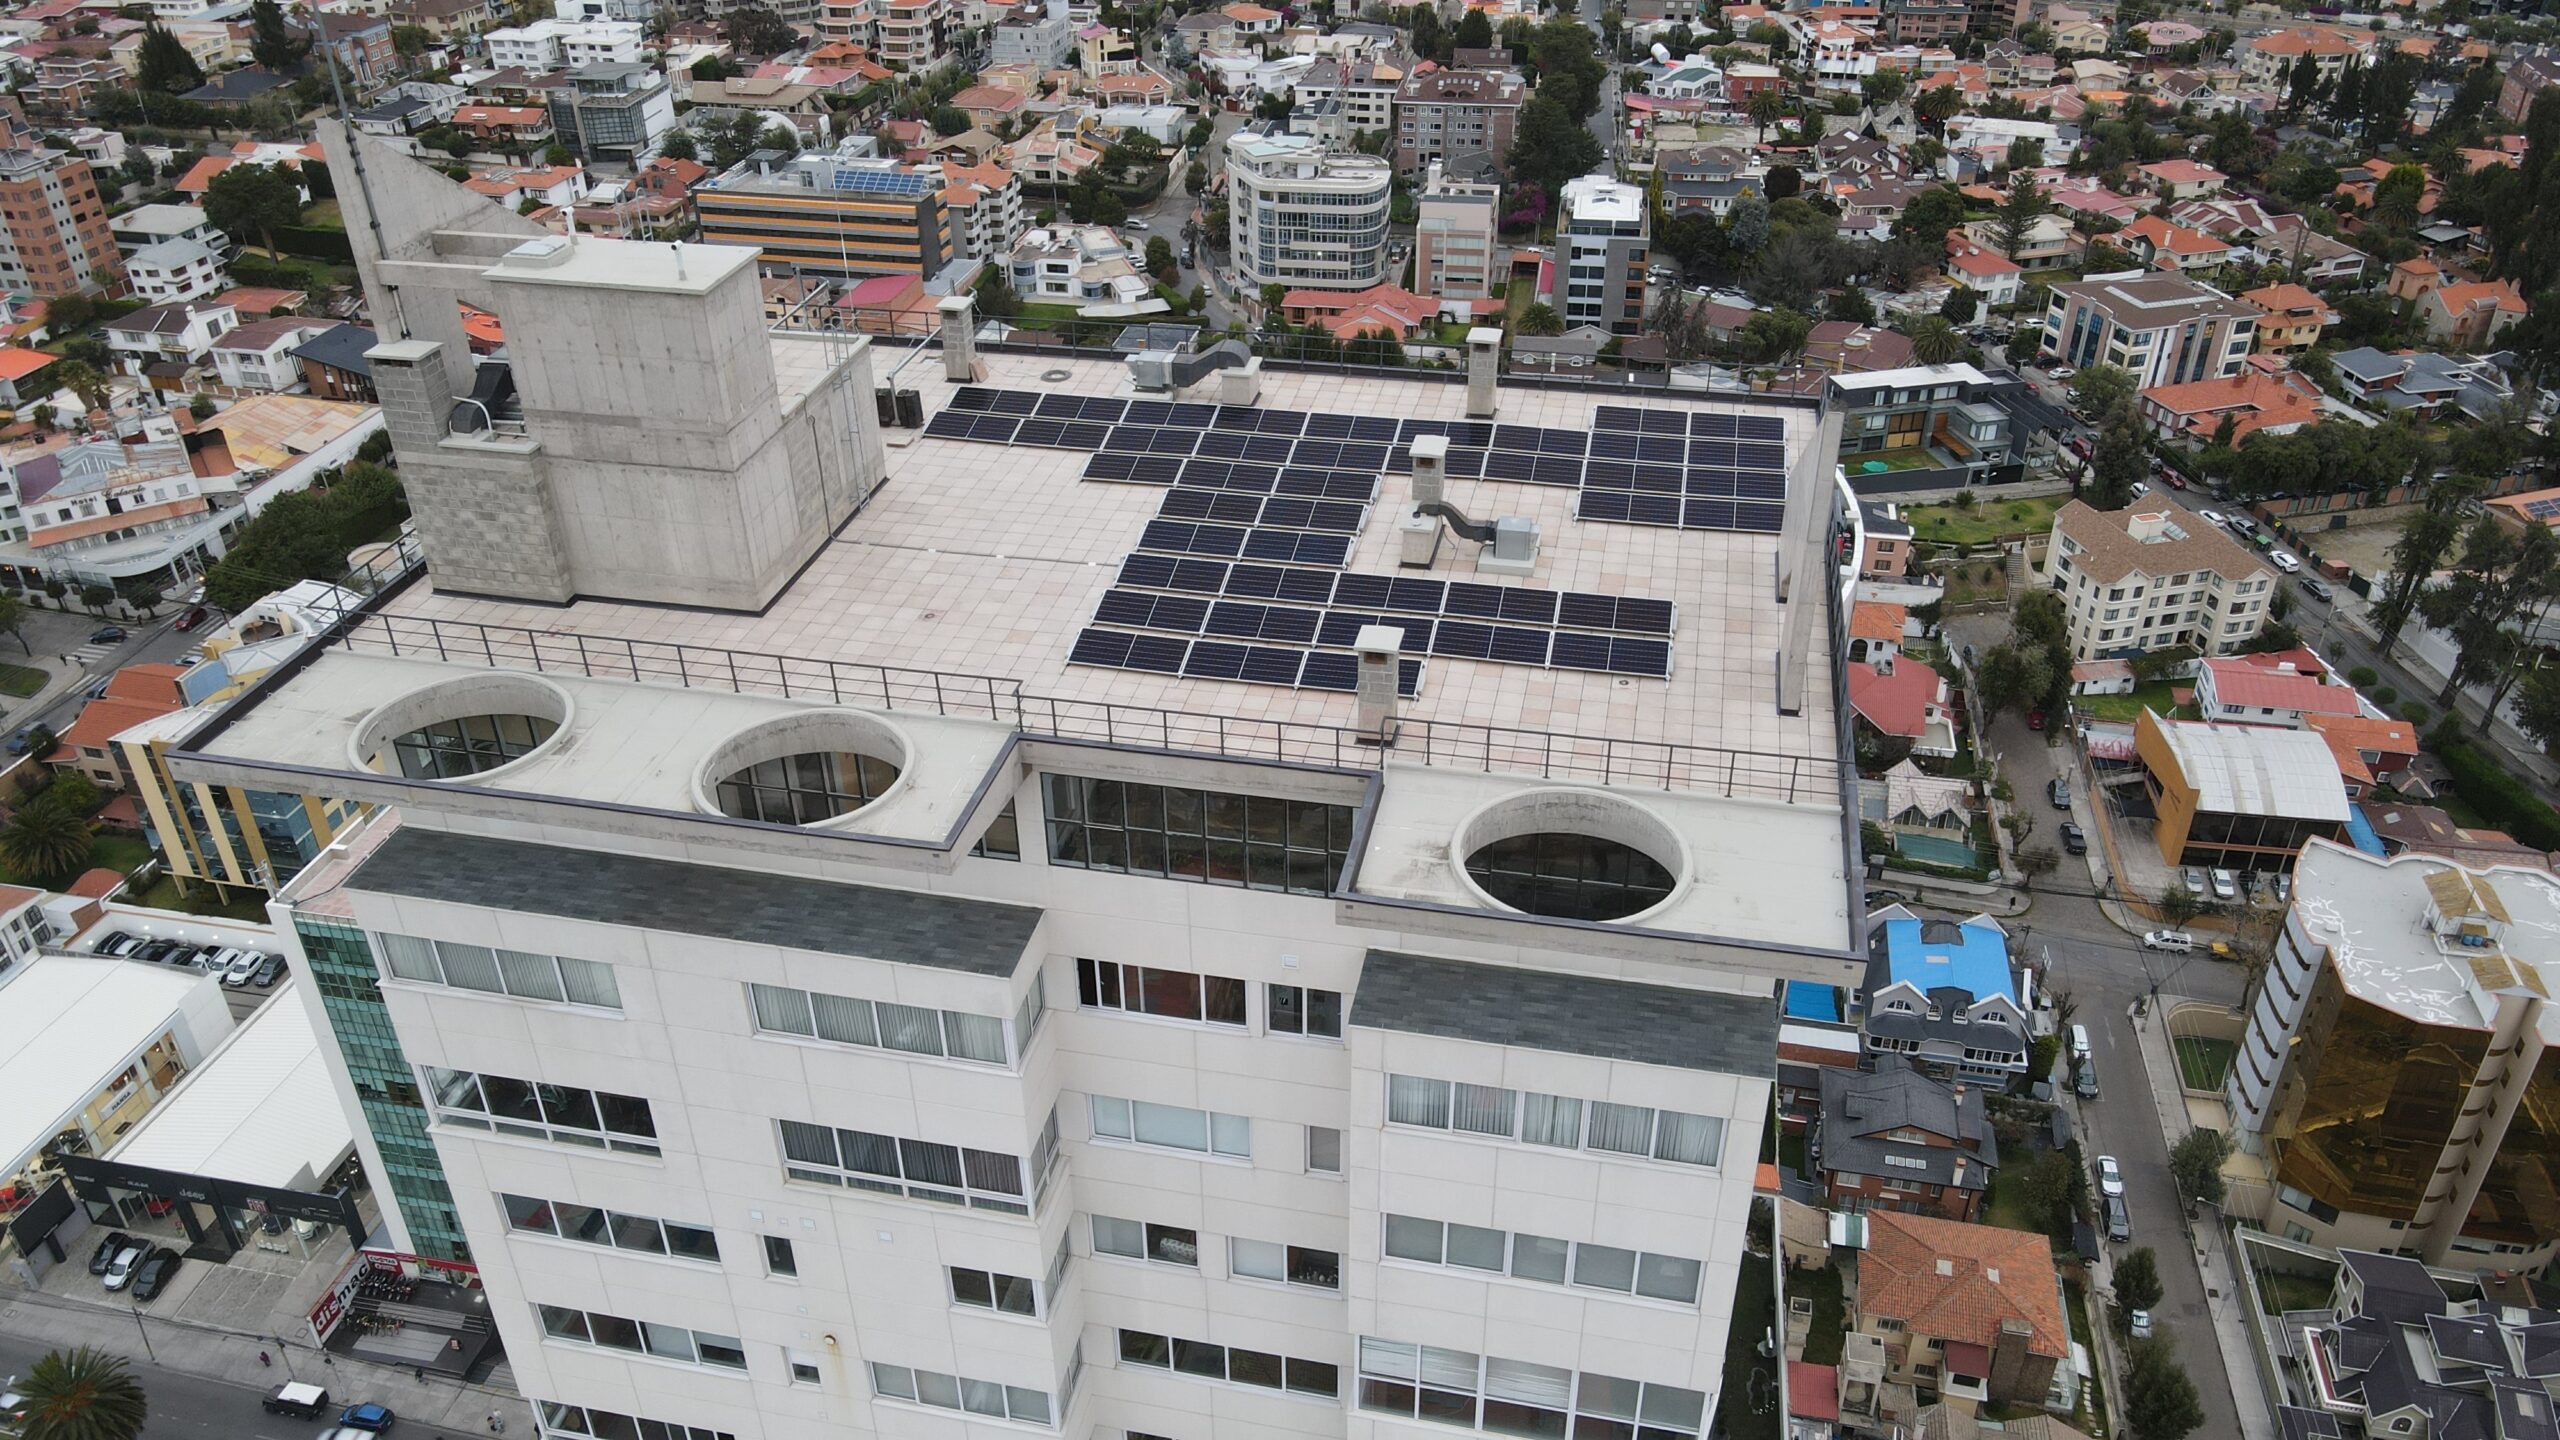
column 140, row 1329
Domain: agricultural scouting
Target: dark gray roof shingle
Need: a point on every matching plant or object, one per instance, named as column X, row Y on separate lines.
column 753, row 907
column 1568, row 1014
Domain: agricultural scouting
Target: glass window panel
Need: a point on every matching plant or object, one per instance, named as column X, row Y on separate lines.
column 626, row 1114
column 582, row 1222
column 1173, row 1245
column 910, row 1028
column 614, row 1332
column 1137, row 1348
column 868, row 1153
column 1111, row 1117
column 524, row 1214
column 1031, row 1407
column 1314, row 1377
column 1673, row 1407
column 982, row 1397
column 1253, row 1367
column 1551, row 1120
column 1450, row 1369
column 410, row 958
column 1412, row 1239
column 563, row 1324
column 1195, row 1357
column 1627, row 1129
column 1476, row 1248
column 1529, row 1384
column 1604, row 1267
column 1324, row 1150
column 638, row 1232
column 1231, row 1135
column 1539, row 1257
column 1689, row 1139
column 808, row 1144
column 988, row 1170
column 588, row 983
column 1169, row 1125
column 1222, row 999
column 511, row 1099
column 667, row 1342
column 1174, row 994
column 1320, row 1268
column 1390, row 1358
column 780, row 1009
column 1531, row 1422
column 973, row 1037
column 1118, row 1237
column 1608, row 1396
column 1324, row 1013
column 691, row 1242
column 935, row 1388
column 573, row 1108
column 845, row 1021
column 779, row 1257
column 1259, row 1258
column 532, row 977
column 610, row 1426
column 471, row 967
column 895, row 1381
column 1482, row 1110
column 1288, row 1009
column 1667, row 1277
column 567, row 1418
column 1015, row 1295
column 930, row 1164
column 1412, row 1100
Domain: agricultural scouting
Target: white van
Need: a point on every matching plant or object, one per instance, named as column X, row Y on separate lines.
column 2174, row 942
column 2079, row 1044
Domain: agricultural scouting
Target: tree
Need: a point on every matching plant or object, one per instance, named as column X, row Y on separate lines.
column 45, row 842
column 1550, row 145
column 2101, row 390
column 1766, row 108
column 85, row 1394
column 13, row 618
column 2302, row 84
column 1747, row 226
column 1541, row 319
column 1885, row 87
column 1939, row 104
column 679, row 146
column 2196, row 1164
column 1960, row 307
column 2014, row 677
column 2537, row 707
column 74, row 792
column 1934, row 341
column 2160, row 1401
column 163, row 65
column 1930, row 215
column 1160, row 260
column 253, row 200
column 273, row 46
column 948, row 120
column 713, row 68
column 84, row 380
column 2137, row 1281
column 2025, row 153
column 2120, row 461
column 2424, row 541
column 1852, row 304
column 1474, row 32
column 410, row 41
column 996, row 295
column 754, row 30
column 2025, row 205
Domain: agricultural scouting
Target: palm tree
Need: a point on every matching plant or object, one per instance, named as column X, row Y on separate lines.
column 1935, row 342
column 46, row 842
column 13, row 617
column 83, row 1395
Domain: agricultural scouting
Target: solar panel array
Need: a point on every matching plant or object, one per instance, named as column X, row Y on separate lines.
column 2545, row 508
column 879, row 182
column 1686, row 469
column 1238, row 576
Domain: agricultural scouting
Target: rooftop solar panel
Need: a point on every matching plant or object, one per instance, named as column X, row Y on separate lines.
column 1330, row 670
column 1016, row 402
column 1267, row 665
column 950, row 425
column 1375, row 429
column 1149, row 412
column 1760, row 427
column 1106, row 409
column 1083, row 435
column 1043, row 433
column 1565, row 470
column 1236, row 417
column 1281, row 422
column 1328, row 427
column 1466, row 463
column 1154, row 469
column 1109, row 466
column 879, row 182
column 1153, row 571
column 1061, row 407
column 1225, row 444
column 1617, row 417
column 1214, row 660
column 1666, row 422
column 1712, row 425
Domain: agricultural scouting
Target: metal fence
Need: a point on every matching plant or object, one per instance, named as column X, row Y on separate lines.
column 1696, row 769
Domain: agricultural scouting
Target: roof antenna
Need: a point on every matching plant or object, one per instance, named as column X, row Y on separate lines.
column 678, row 248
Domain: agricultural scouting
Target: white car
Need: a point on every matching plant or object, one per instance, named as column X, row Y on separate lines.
column 2140, row 1322
column 120, row 1271
column 2210, row 517
column 2110, row 1179
column 2226, row 886
column 2174, row 942
column 243, row 966
column 2284, row 562
column 2193, row 878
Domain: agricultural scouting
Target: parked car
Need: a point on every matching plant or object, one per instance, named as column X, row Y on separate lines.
column 2084, row 1080
column 2035, row 719
column 2074, row 839
column 153, row 952
column 2210, row 517
column 2060, row 793
column 2141, row 1323
column 2192, row 877
column 194, row 617
column 107, row 635
column 118, row 944
column 2284, row 562
column 270, row 970
column 2226, row 888
column 2119, row 1220
column 368, row 1416
column 2175, row 942
column 2284, row 888
column 2110, row 1179
column 304, row 1401
column 107, row 1251
column 120, row 1270
column 240, row 967
column 157, row 1269
column 2176, row 480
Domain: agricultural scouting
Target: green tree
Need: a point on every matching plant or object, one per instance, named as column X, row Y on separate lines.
column 410, row 41
column 1850, row 303
column 2122, row 457
column 2101, row 390
column 2302, row 84
column 2500, row 576
column 82, row 1394
column 2137, row 1281
column 1541, row 319
column 1550, row 146
column 2014, row 677
column 271, row 44
column 713, row 68
column 2160, row 1401
column 1766, row 108
column 44, row 844
column 1160, row 259
column 1885, row 87
column 678, row 146
column 754, row 30
column 996, row 295
column 74, row 792
column 13, row 618
column 948, row 120
column 1934, row 341
column 1930, row 215
column 2196, row 1164
column 253, row 200
column 1776, row 335
column 163, row 65
column 2537, row 707
column 1474, row 32
column 84, row 380
column 1939, row 104
column 1746, row 227
column 1960, row 307
column 2026, row 204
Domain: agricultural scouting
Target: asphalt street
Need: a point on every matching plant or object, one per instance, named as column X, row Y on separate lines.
column 189, row 1405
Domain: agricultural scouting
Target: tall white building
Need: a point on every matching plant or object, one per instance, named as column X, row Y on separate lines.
column 2154, row 579
column 1601, row 233
column 993, row 1005
column 1305, row 217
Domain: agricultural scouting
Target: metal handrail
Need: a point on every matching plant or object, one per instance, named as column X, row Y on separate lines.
column 1446, row 744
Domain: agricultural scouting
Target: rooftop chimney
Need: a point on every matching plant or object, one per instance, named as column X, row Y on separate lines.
column 1378, row 646
column 1484, row 363
column 959, row 339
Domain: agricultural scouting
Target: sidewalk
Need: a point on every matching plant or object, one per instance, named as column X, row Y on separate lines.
column 231, row 1357
column 2225, row 1298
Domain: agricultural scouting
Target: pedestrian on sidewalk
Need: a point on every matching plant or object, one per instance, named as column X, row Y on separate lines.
column 265, row 1361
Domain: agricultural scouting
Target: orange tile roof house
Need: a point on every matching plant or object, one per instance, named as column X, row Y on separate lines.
column 2294, row 317
column 134, row 694
column 2235, row 692
column 2161, row 245
column 1979, row 1304
column 2471, row 313
column 1875, row 630
column 2255, row 401
column 2369, row 750
column 2183, row 179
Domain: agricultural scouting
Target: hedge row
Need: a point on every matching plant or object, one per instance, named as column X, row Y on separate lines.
column 2500, row 798
column 317, row 244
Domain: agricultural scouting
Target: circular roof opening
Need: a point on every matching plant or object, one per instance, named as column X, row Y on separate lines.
column 1571, row 855
column 465, row 728
column 813, row 768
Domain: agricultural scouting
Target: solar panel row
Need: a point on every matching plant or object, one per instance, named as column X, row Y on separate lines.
column 1449, row 638
column 1397, row 594
column 1227, row 660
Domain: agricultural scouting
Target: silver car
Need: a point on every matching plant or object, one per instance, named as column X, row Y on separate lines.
column 120, row 1270
column 2193, row 876
column 2226, row 886
column 241, row 967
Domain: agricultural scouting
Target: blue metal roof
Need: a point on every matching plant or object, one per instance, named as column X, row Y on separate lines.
column 1977, row 964
column 1808, row 1001
column 2360, row 832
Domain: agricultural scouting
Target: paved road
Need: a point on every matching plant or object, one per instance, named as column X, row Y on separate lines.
column 51, row 633
column 186, row 1405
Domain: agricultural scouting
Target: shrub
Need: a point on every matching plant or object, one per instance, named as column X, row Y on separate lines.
column 2501, row 799
column 2386, row 697
column 2362, row 677
column 2416, row 714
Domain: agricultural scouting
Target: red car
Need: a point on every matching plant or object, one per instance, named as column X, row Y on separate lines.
column 2035, row 719
column 191, row 619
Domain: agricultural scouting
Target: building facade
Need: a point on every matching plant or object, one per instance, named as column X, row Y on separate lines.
column 1455, row 251
column 833, row 215
column 2137, row 580
column 613, row 112
column 54, row 234
column 1602, row 237
column 2165, row 329
column 1445, row 116
column 1304, row 218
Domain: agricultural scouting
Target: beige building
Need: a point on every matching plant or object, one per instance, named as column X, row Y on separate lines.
column 2148, row 579
column 1454, row 249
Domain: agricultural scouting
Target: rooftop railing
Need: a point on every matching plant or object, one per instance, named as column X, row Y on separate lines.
column 1459, row 745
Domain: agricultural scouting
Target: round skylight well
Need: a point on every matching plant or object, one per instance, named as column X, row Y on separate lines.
column 814, row 768
column 1570, row 855
column 468, row 728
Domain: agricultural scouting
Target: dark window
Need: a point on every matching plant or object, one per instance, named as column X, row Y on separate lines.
column 1295, row 1010
column 778, row 1259
column 1204, row 836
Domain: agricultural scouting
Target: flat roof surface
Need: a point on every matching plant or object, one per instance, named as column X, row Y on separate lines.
column 2369, row 911
column 988, row 559
column 65, row 1024
column 259, row 1110
column 2258, row 770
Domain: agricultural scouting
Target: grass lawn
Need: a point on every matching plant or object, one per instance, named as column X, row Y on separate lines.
column 1975, row 524
column 2005, row 1205
column 1791, row 1152
column 2279, row 1291
column 2204, row 1064
column 21, row 680
column 120, row 853
column 1822, row 1342
column 164, row 895
column 1524, row 292
column 1977, row 580
column 2093, row 1396
column 323, row 215
column 2154, row 696
column 1748, row 1409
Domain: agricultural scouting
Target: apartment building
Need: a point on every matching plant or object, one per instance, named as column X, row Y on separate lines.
column 985, row 202
column 1355, row 96
column 54, row 235
column 832, row 214
column 174, row 270
column 614, row 113
column 2399, row 1067
column 2135, row 580
column 2290, row 318
column 1602, row 236
column 2166, row 329
column 550, row 44
column 2268, row 60
column 1194, row 1091
column 1304, row 217
column 1454, row 117
column 1039, row 38
column 916, row 35
column 1078, row 265
column 1456, row 255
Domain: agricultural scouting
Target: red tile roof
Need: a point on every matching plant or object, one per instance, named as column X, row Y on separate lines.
column 1876, row 620
column 1813, row 1391
column 1897, row 704
column 1961, row 1282
column 2236, row 682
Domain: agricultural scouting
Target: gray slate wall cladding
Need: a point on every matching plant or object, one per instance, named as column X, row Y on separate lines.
column 1568, row 1014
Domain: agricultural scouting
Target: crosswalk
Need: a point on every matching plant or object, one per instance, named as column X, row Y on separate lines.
column 90, row 655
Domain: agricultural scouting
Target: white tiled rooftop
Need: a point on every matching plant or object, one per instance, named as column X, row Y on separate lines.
column 987, row 560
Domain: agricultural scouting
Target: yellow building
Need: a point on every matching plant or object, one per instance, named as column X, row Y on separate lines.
column 2237, row 797
column 832, row 216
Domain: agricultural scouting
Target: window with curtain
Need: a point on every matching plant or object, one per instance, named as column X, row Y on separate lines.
column 1482, row 1110
column 1172, row 1127
column 1627, row 1129
column 917, row 1169
column 1540, row 1258
column 880, row 1024
column 524, row 975
column 1412, row 1100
